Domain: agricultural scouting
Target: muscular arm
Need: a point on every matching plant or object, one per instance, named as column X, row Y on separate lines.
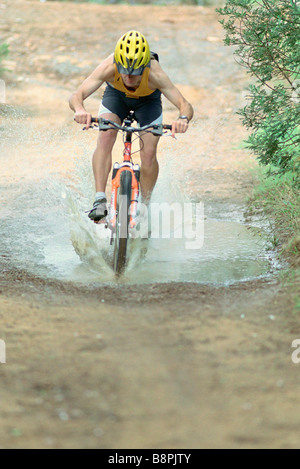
column 161, row 81
column 102, row 73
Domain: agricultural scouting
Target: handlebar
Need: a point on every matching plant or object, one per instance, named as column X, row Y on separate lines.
column 106, row 124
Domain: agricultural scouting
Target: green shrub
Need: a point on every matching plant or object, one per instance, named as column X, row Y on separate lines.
column 279, row 199
column 266, row 36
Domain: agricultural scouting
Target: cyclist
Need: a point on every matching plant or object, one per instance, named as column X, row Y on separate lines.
column 135, row 82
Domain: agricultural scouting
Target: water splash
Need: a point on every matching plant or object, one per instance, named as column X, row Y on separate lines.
column 46, row 188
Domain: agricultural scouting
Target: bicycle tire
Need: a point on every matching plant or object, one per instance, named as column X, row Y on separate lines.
column 122, row 222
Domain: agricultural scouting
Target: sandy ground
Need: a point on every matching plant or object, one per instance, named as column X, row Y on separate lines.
column 159, row 366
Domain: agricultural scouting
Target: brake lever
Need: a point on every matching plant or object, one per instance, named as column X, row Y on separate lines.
column 93, row 126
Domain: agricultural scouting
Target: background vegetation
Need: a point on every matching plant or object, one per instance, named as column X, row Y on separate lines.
column 280, row 201
column 266, row 39
column 266, row 36
column 277, row 197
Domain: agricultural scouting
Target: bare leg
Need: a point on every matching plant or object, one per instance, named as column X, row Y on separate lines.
column 102, row 158
column 149, row 166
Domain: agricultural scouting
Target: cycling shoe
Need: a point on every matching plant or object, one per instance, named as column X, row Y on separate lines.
column 99, row 210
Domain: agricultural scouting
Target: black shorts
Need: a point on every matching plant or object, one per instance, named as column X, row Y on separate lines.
column 147, row 109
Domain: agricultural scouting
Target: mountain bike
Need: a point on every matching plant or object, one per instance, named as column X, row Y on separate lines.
column 123, row 211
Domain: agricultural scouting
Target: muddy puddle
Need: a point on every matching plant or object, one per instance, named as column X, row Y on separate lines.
column 231, row 252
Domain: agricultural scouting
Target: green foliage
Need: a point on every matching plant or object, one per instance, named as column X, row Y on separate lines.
column 266, row 37
column 278, row 198
column 3, row 54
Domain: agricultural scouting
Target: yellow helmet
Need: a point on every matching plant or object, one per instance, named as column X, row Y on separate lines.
column 132, row 53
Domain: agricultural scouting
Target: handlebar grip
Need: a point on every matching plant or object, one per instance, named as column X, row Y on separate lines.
column 167, row 127
column 95, row 119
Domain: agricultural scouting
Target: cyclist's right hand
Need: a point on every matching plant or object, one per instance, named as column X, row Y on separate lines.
column 83, row 117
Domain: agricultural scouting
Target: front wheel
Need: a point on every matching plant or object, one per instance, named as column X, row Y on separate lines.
column 122, row 222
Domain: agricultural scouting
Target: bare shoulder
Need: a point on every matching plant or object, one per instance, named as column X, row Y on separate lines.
column 158, row 77
column 105, row 70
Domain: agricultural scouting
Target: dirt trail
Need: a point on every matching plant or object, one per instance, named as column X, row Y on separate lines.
column 177, row 365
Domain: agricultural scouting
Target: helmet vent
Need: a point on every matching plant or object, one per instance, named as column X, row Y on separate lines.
column 132, row 52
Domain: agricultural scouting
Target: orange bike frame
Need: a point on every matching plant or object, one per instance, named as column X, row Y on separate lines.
column 116, row 185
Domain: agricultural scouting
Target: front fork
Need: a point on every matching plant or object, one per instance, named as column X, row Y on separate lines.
column 135, row 191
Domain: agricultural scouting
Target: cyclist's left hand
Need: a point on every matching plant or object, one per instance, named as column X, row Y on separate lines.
column 179, row 126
